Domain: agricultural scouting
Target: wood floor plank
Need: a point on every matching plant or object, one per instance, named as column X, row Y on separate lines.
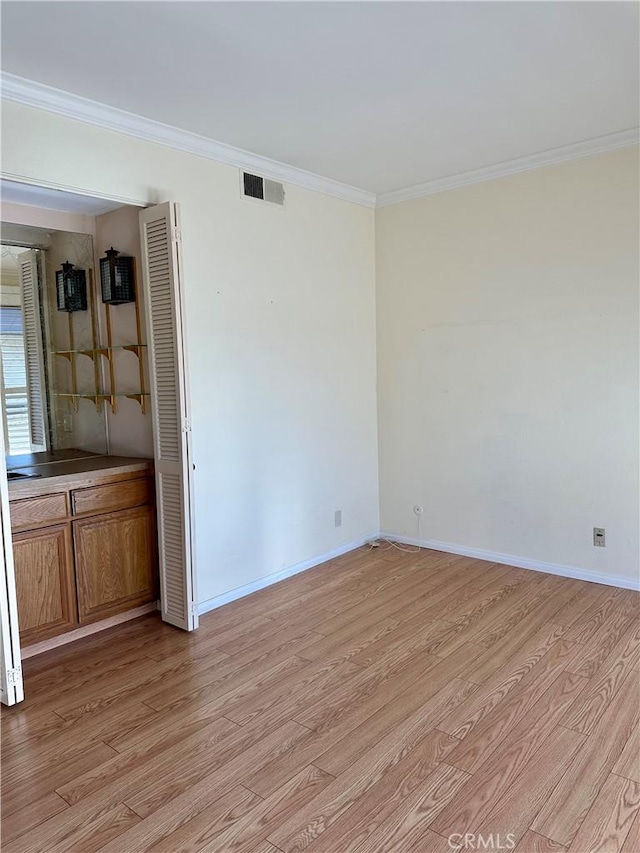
column 488, row 604
column 221, row 690
column 44, row 683
column 631, row 844
column 510, row 760
column 265, row 847
column 288, row 699
column 490, row 631
column 140, row 681
column 200, row 800
column 352, row 640
column 628, row 765
column 254, row 828
column 133, row 765
column 606, row 682
column 514, row 813
column 407, row 824
column 165, row 778
column 534, row 630
column 23, row 723
column 37, row 811
column 450, row 580
column 431, row 842
column 35, row 785
column 487, row 735
column 564, row 812
column 297, row 833
column 493, row 690
column 390, row 595
column 367, row 705
column 610, row 818
column 601, row 644
column 92, row 836
column 408, row 637
column 192, row 836
column 531, row 842
column 367, row 682
column 436, row 696
column 155, row 793
column 344, row 592
column 585, row 628
column 53, row 746
column 362, row 719
column 575, row 610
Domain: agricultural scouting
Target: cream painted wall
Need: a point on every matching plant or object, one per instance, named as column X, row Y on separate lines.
column 85, row 427
column 507, row 355
column 508, row 364
column 130, row 429
column 281, row 342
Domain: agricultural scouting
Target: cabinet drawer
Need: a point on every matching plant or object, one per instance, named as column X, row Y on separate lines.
column 31, row 513
column 112, row 497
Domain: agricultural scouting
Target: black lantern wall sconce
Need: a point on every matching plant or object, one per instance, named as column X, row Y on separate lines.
column 117, row 278
column 71, row 289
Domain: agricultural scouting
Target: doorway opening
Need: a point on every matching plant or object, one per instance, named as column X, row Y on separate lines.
column 111, row 418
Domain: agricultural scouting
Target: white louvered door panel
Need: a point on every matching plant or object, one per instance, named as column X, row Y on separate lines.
column 11, row 686
column 164, row 314
column 28, row 271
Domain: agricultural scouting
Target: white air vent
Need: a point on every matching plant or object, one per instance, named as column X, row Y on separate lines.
column 262, row 189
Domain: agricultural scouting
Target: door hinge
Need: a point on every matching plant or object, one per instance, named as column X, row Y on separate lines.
column 194, row 608
column 186, row 425
column 176, row 235
column 14, row 676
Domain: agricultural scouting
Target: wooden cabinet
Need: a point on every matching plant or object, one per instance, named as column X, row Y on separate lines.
column 83, row 552
column 115, row 562
column 45, row 583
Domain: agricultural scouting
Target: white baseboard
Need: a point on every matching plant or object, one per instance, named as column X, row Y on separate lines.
column 433, row 544
column 518, row 562
column 261, row 583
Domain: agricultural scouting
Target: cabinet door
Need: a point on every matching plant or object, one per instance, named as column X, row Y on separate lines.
column 116, row 564
column 45, row 584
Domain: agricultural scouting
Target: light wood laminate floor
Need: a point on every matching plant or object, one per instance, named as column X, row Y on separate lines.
column 385, row 701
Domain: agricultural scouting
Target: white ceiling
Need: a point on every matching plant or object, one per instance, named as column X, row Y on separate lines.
column 377, row 95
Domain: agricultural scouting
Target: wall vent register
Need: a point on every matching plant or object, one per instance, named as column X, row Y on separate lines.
column 253, row 186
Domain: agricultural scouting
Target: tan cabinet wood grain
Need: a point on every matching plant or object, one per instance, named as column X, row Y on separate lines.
column 45, row 583
column 37, row 512
column 116, row 564
column 112, row 497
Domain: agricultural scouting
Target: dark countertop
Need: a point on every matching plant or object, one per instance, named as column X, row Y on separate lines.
column 27, row 460
column 72, row 472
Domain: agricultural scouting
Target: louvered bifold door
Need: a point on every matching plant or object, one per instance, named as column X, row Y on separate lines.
column 161, row 263
column 28, row 271
column 11, row 687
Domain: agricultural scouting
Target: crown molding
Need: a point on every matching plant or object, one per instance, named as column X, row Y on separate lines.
column 598, row 145
column 32, row 94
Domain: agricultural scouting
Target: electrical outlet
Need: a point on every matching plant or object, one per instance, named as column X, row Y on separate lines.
column 598, row 537
column 418, row 510
column 337, row 518
column 67, row 422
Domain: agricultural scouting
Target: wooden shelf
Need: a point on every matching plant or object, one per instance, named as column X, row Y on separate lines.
column 96, row 353
column 98, row 399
